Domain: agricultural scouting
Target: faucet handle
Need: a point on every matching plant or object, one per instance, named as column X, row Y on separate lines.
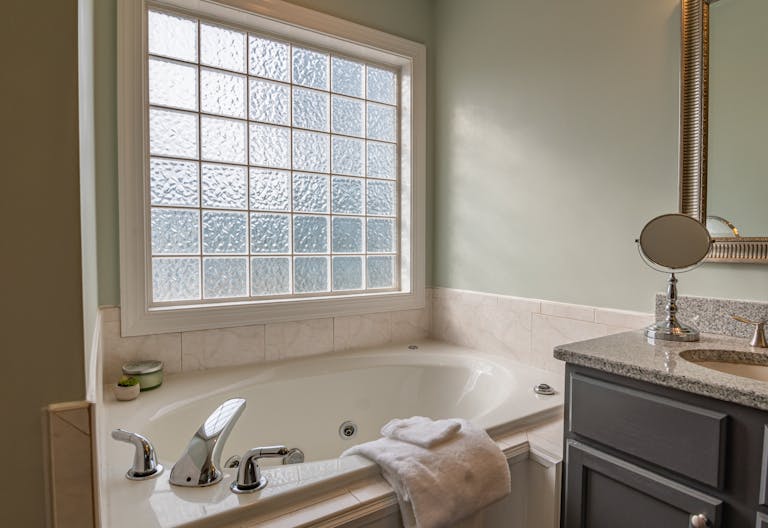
column 145, row 464
column 758, row 338
column 249, row 478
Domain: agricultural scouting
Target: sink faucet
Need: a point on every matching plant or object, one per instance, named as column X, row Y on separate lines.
column 758, row 338
column 200, row 463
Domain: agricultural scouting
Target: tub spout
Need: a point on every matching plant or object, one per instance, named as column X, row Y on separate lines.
column 201, row 462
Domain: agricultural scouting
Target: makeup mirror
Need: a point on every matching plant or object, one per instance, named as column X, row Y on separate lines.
column 673, row 243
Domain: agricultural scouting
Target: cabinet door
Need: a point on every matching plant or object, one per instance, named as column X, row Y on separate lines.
column 602, row 491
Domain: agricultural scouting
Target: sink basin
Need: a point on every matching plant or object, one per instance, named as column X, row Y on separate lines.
column 744, row 364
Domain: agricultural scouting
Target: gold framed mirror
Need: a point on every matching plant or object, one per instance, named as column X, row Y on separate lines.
column 749, row 245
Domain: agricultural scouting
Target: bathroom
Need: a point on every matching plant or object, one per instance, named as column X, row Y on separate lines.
column 550, row 137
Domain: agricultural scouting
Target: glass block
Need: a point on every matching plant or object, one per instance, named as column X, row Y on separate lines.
column 222, row 47
column 270, row 146
column 380, row 235
column 173, row 182
column 222, row 93
column 270, row 275
column 224, row 186
column 270, row 190
column 310, row 274
column 222, row 139
column 382, row 160
column 310, row 193
column 310, row 151
column 172, row 133
column 381, row 198
column 382, row 122
column 172, row 36
column 310, row 234
column 347, row 116
column 381, row 85
column 175, row 231
column 270, row 233
column 172, row 84
column 310, row 68
column 347, row 195
column 175, row 279
column 310, row 109
column 381, row 272
column 269, row 102
column 347, row 273
column 347, row 234
column 347, row 77
column 225, row 277
column 347, row 156
column 268, row 58
column 224, row 232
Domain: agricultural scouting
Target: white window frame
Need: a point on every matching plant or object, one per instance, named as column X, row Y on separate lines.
column 289, row 22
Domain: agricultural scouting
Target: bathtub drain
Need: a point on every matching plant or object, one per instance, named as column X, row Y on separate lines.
column 347, row 430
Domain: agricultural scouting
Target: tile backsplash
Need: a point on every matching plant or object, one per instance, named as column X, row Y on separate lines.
column 713, row 316
column 526, row 329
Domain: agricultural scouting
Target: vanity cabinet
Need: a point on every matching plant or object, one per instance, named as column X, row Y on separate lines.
column 641, row 455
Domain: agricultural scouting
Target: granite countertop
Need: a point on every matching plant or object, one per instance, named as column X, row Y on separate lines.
column 633, row 355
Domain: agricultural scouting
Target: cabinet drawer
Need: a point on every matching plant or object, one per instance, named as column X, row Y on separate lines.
column 683, row 438
column 602, row 491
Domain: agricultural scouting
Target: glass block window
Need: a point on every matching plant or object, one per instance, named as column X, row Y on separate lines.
column 272, row 168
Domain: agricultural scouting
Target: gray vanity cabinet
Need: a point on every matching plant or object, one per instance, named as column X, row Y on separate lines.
column 641, row 455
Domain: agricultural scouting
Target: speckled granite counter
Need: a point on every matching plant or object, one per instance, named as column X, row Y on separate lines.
column 632, row 355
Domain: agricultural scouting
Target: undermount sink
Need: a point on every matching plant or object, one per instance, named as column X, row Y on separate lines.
column 745, row 364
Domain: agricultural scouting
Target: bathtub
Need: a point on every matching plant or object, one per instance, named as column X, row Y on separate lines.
column 302, row 404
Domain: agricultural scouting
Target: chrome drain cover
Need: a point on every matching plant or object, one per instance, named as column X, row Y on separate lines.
column 544, row 389
column 347, row 430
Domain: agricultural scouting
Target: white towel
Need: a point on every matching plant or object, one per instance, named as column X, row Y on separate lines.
column 420, row 430
column 440, row 486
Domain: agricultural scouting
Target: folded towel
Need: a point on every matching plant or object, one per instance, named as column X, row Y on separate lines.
column 439, row 486
column 420, row 430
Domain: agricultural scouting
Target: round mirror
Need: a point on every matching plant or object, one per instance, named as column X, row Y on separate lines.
column 675, row 241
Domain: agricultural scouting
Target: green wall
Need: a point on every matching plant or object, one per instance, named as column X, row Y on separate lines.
column 41, row 309
column 556, row 140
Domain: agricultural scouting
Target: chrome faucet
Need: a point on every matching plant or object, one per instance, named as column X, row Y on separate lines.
column 758, row 338
column 200, row 463
column 145, row 464
column 249, row 477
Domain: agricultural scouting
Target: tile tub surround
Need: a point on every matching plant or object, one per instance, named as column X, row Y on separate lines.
column 226, row 347
column 632, row 355
column 526, row 329
column 713, row 315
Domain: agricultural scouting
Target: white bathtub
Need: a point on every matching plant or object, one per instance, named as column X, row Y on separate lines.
column 301, row 403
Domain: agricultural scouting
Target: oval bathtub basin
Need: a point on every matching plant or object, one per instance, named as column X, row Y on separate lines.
column 302, row 404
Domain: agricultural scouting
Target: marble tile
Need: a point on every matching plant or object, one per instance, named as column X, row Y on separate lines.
column 519, row 304
column 118, row 350
column 222, row 348
column 549, row 332
column 410, row 325
column 298, row 338
column 110, row 314
column 371, row 489
column 569, row 311
column 361, row 331
column 618, row 329
column 623, row 318
column 71, row 467
column 312, row 513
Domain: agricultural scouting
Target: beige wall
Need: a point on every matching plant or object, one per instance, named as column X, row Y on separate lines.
column 556, row 140
column 42, row 318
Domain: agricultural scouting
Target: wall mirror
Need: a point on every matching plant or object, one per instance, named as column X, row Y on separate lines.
column 724, row 173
